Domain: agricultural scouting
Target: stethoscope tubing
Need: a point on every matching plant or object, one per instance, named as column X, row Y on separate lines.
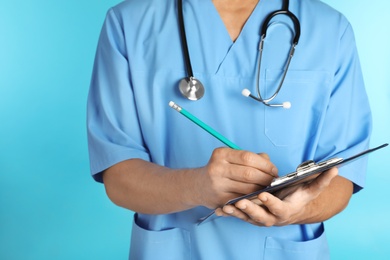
column 193, row 89
column 297, row 26
column 183, row 38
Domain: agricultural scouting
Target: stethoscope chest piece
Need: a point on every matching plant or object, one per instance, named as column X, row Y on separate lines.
column 191, row 88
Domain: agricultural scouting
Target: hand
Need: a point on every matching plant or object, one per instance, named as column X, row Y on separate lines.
column 295, row 208
column 231, row 173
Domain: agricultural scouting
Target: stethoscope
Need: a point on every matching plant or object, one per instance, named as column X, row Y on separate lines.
column 193, row 89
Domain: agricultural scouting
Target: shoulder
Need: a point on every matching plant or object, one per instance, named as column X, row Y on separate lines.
column 316, row 15
column 133, row 14
column 318, row 10
column 141, row 7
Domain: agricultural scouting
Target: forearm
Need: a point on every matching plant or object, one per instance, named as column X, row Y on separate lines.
column 330, row 202
column 149, row 188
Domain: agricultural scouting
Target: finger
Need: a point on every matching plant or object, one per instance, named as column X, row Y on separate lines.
column 257, row 214
column 265, row 156
column 249, row 159
column 257, row 201
column 274, row 205
column 220, row 213
column 231, row 210
column 239, row 188
column 249, row 175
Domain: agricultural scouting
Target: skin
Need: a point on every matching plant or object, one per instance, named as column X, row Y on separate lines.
column 228, row 174
column 315, row 202
column 234, row 14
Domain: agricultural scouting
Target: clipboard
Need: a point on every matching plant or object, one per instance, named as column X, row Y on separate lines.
column 304, row 173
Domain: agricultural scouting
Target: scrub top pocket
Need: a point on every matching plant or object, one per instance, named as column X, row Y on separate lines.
column 170, row 244
column 280, row 249
column 308, row 92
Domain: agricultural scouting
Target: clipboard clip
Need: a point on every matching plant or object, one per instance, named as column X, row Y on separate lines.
column 305, row 166
column 304, row 169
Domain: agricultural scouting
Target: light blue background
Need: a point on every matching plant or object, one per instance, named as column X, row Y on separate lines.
column 50, row 208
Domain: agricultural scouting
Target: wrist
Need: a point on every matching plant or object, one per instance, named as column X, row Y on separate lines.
column 192, row 192
column 311, row 213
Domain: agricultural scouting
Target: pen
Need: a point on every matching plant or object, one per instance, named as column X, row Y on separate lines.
column 203, row 125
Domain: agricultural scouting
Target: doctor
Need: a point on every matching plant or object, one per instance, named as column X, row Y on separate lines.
column 171, row 173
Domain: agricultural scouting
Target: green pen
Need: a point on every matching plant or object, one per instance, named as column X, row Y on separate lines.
column 203, row 125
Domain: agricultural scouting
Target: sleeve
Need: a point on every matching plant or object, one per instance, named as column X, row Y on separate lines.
column 114, row 134
column 347, row 126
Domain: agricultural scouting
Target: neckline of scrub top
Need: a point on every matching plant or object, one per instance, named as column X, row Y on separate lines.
column 246, row 24
column 209, row 42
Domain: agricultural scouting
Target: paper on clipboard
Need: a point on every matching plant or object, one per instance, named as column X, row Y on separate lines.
column 305, row 172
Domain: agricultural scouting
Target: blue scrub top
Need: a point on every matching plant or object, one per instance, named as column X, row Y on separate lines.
column 139, row 62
